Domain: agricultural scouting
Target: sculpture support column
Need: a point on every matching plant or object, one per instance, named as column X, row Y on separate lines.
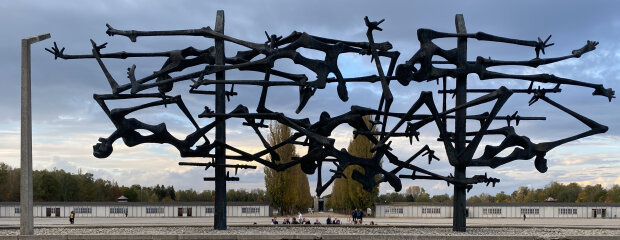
column 219, row 221
column 460, row 127
column 26, row 223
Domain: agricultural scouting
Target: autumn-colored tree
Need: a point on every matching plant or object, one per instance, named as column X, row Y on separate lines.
column 348, row 193
column 417, row 194
column 287, row 190
column 442, row 198
column 592, row 193
column 153, row 198
column 613, row 195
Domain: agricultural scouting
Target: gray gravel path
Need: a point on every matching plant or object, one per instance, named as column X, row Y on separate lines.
column 319, row 230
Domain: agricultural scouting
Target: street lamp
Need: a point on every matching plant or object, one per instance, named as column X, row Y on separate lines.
column 26, row 225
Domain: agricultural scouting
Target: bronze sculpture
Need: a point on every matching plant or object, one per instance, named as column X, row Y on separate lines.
column 260, row 57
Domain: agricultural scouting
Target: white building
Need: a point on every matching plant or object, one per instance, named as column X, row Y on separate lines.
column 137, row 209
column 500, row 210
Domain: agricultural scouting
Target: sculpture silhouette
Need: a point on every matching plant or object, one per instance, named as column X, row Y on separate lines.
column 261, row 58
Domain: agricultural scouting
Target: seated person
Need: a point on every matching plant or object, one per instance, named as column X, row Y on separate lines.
column 295, row 221
column 329, row 220
column 274, row 220
column 317, row 221
column 286, row 221
column 306, row 221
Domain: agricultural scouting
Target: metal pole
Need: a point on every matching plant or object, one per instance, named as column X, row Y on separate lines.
column 460, row 127
column 26, row 223
column 219, row 218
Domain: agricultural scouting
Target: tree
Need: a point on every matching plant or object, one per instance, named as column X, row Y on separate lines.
column 613, row 195
column 594, row 193
column 287, row 190
column 417, row 194
column 348, row 193
column 502, row 197
column 571, row 194
column 442, row 198
column 153, row 198
column 520, row 194
column 86, row 185
column 171, row 193
column 391, row 197
column 130, row 193
column 68, row 185
column 474, row 199
column 45, row 186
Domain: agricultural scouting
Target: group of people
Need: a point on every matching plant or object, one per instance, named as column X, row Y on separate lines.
column 301, row 220
column 294, row 221
column 356, row 216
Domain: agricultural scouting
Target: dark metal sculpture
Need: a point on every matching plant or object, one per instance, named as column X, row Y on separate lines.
column 260, row 57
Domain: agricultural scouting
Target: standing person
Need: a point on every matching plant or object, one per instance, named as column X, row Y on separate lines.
column 360, row 215
column 72, row 217
column 300, row 217
column 354, row 216
column 126, row 213
column 328, row 220
column 524, row 217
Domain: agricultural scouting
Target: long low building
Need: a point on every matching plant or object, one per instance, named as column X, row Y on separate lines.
column 500, row 210
column 137, row 209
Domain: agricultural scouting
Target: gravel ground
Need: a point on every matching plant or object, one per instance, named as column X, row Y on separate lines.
column 316, row 230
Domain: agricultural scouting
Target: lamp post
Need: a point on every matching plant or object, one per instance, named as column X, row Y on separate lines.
column 26, row 225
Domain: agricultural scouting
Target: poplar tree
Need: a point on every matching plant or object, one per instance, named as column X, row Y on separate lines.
column 348, row 193
column 288, row 190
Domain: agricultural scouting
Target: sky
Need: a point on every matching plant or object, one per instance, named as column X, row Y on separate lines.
column 67, row 121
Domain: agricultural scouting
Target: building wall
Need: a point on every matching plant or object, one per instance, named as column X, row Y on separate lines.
column 500, row 210
column 99, row 209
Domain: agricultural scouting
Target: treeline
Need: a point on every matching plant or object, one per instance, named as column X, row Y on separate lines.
column 60, row 186
column 413, row 194
column 559, row 192
column 553, row 191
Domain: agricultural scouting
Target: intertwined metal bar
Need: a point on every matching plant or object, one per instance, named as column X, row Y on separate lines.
column 261, row 58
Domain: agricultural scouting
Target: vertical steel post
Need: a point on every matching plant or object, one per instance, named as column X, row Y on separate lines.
column 26, row 222
column 460, row 128
column 219, row 218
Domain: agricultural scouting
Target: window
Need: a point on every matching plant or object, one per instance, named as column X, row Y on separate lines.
column 393, row 210
column 209, row 210
column 118, row 210
column 154, row 210
column 83, row 210
column 567, row 211
column 431, row 210
column 530, row 211
column 53, row 210
column 18, row 210
column 250, row 210
column 491, row 211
